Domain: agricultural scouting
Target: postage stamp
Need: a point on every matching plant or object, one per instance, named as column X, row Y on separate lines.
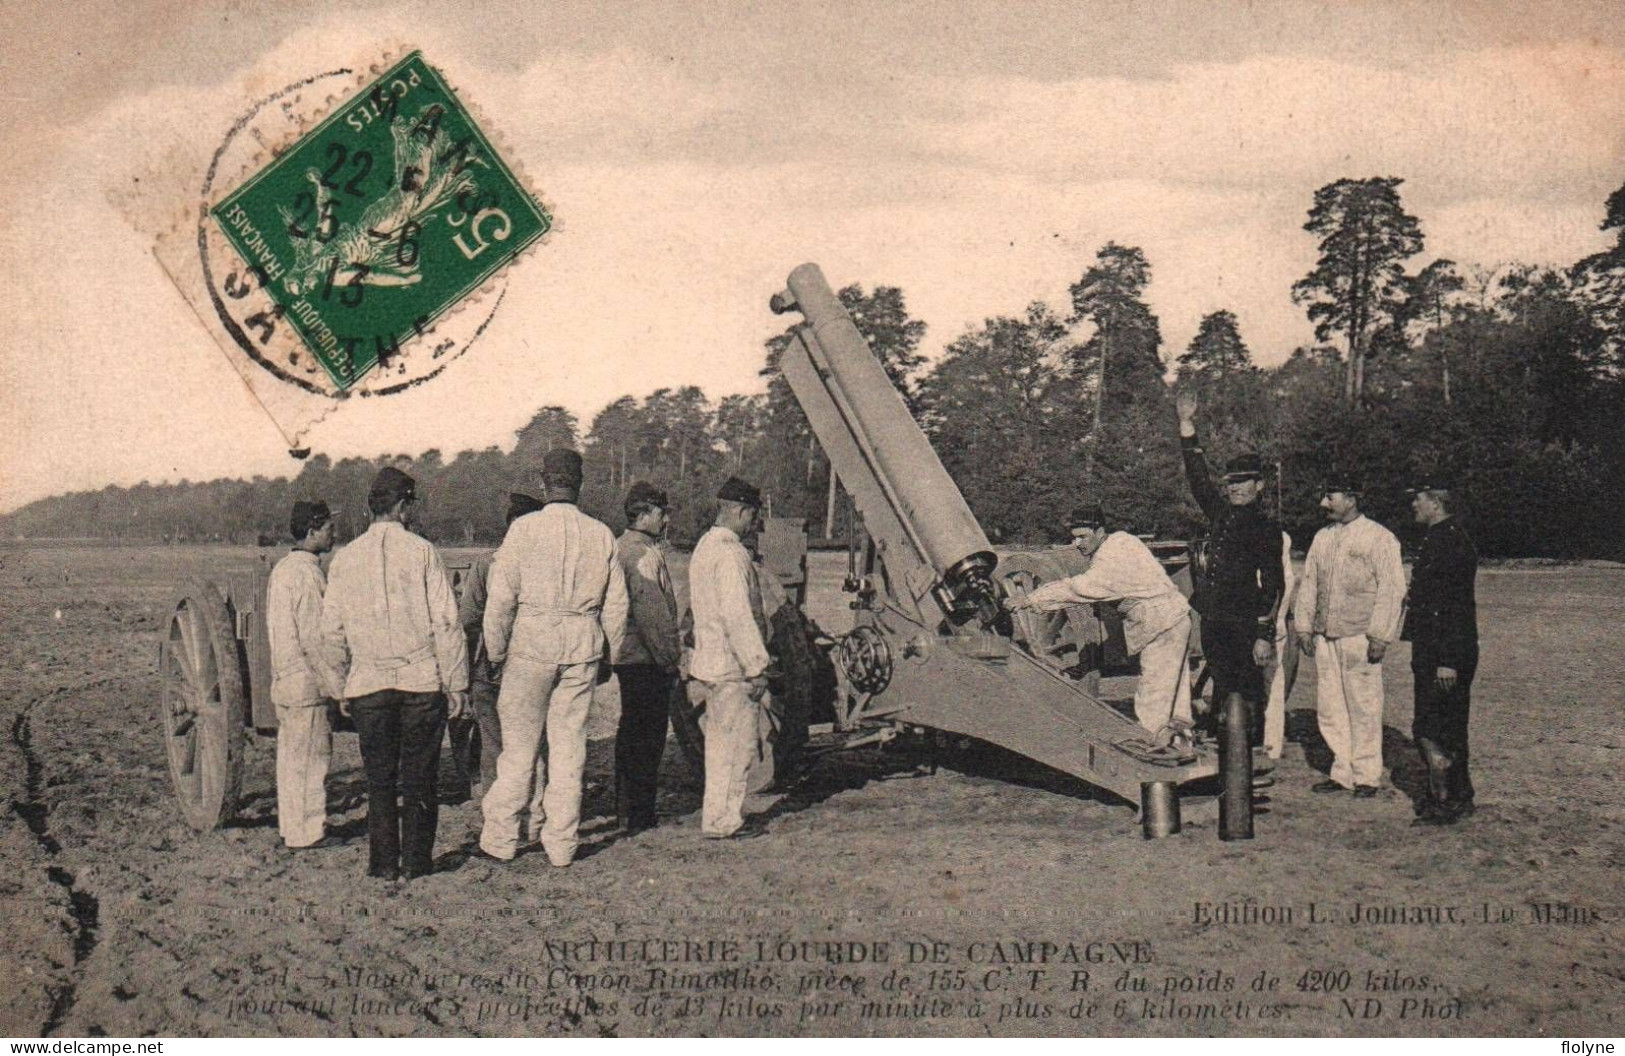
column 378, row 221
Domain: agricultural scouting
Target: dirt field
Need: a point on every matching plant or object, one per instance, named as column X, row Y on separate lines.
column 988, row 898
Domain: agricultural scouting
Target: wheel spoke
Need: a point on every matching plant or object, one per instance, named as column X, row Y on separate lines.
column 186, row 619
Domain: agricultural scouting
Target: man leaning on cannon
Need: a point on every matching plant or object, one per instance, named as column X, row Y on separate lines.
column 1441, row 623
column 1238, row 592
column 390, row 619
column 1156, row 617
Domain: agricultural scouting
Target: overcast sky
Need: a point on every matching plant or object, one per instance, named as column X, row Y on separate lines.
column 977, row 155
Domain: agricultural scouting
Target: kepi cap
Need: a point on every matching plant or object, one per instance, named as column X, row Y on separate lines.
column 1430, row 482
column 308, row 516
column 1244, row 467
column 1087, row 515
column 561, row 468
column 643, row 493
column 735, row 490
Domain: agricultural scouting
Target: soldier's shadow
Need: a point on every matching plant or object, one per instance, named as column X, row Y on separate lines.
column 1399, row 753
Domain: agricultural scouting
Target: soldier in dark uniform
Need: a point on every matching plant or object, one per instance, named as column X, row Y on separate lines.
column 1238, row 592
column 1441, row 623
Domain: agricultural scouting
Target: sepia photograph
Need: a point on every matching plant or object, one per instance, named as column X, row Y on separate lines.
column 777, row 520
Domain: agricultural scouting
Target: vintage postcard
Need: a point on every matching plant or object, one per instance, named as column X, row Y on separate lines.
column 861, row 519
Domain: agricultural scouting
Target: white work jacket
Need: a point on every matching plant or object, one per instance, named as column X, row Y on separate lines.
column 730, row 632
column 293, row 619
column 390, row 617
column 1353, row 582
column 1123, row 570
column 556, row 593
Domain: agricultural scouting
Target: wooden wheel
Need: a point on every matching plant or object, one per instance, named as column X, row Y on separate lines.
column 1067, row 640
column 203, row 706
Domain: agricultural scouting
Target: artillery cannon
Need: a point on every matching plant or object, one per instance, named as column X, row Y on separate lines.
column 933, row 642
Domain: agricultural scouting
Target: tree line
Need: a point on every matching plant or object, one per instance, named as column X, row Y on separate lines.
column 1509, row 379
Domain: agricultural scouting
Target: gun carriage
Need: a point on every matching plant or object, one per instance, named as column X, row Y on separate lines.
column 933, row 642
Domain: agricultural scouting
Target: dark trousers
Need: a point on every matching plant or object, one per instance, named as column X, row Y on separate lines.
column 640, row 741
column 483, row 699
column 464, row 734
column 1227, row 647
column 1441, row 717
column 400, row 748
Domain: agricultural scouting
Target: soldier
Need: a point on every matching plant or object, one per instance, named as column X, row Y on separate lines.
column 483, row 686
column 1345, row 614
column 390, row 620
column 555, row 613
column 1241, row 588
column 1156, row 617
column 301, row 682
column 730, row 657
column 646, row 666
column 1441, row 623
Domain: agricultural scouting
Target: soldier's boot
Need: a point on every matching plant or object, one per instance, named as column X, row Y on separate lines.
column 1438, row 805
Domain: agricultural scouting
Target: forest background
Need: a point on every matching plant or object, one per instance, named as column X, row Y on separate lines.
column 1508, row 379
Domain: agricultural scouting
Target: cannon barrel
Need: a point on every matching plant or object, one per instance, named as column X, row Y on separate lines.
column 923, row 498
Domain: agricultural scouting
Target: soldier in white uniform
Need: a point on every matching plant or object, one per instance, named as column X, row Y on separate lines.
column 730, row 656
column 1346, row 613
column 555, row 613
column 1156, row 617
column 301, row 682
column 390, row 621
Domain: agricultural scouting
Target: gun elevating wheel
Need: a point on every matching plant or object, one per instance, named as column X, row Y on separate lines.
column 203, row 706
column 866, row 660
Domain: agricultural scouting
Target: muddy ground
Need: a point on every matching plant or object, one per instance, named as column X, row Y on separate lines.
column 990, row 897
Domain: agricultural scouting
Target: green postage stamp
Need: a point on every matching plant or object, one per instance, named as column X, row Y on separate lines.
column 378, row 221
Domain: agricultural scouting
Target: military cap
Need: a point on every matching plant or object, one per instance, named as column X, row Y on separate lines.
column 1087, row 515
column 1343, row 482
column 647, row 494
column 307, row 517
column 520, row 504
column 1430, row 482
column 1244, row 467
column 735, row 490
column 561, row 468
column 389, row 487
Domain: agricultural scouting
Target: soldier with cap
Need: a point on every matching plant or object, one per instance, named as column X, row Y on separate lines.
column 646, row 666
column 554, row 615
column 390, row 621
column 1346, row 613
column 301, row 682
column 1240, row 588
column 483, row 685
column 1441, row 623
column 730, row 656
column 1156, row 617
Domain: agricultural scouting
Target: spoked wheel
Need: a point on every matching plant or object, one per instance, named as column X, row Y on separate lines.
column 203, row 707
column 1068, row 640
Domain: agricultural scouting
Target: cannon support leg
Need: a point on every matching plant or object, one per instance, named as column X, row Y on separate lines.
column 1159, row 809
column 1236, row 769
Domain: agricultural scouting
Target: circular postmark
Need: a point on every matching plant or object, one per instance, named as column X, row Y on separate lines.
column 238, row 290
